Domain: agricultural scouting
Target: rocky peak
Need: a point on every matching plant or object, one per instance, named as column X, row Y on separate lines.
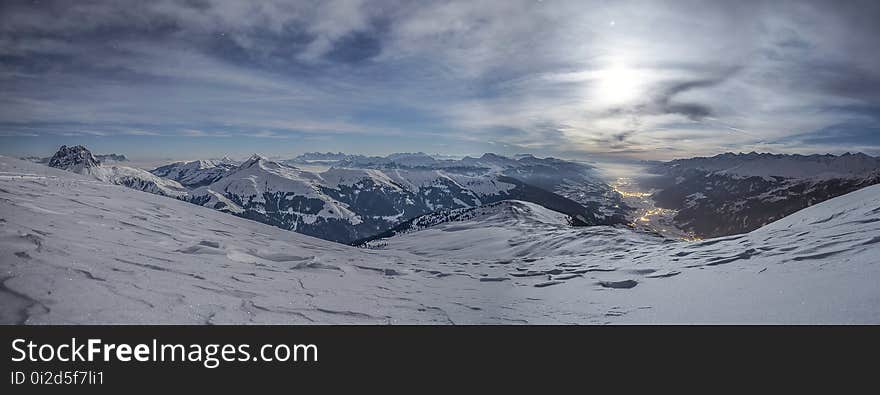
column 254, row 159
column 73, row 158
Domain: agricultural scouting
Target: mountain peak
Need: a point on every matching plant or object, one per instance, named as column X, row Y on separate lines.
column 255, row 158
column 262, row 162
column 73, row 158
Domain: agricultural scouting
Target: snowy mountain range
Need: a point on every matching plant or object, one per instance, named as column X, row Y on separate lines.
column 362, row 196
column 737, row 193
column 345, row 204
column 77, row 250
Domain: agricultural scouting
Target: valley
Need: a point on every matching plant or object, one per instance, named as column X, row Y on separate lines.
column 646, row 215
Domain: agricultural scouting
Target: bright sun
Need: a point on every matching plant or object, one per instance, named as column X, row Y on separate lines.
column 618, row 84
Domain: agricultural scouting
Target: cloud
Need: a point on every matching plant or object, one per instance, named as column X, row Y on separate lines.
column 139, row 133
column 665, row 102
column 665, row 79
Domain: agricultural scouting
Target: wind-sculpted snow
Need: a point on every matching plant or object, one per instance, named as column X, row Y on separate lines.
column 77, row 250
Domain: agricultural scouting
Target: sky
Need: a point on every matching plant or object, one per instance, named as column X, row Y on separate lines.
column 187, row 79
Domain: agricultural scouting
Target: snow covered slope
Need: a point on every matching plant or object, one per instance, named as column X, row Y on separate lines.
column 77, row 250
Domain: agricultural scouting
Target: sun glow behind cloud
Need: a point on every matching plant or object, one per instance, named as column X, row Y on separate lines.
column 618, row 84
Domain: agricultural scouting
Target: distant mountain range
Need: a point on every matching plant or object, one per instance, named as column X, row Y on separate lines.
column 737, row 193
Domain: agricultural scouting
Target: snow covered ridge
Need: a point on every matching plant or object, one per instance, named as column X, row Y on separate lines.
column 74, row 250
column 736, row 193
column 195, row 173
